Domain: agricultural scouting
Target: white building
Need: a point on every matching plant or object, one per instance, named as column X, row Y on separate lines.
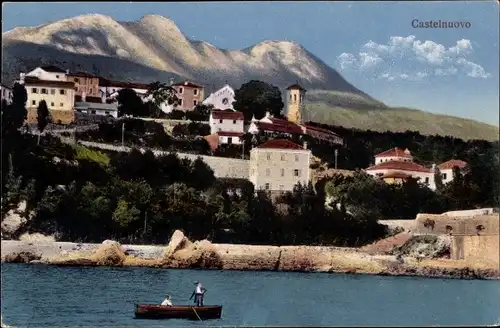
column 278, row 165
column 46, row 73
column 394, row 154
column 446, row 169
column 222, row 98
column 97, row 108
column 6, row 94
column 274, row 126
column 109, row 89
column 228, row 125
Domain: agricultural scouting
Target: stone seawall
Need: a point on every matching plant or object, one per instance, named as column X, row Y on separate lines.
column 222, row 167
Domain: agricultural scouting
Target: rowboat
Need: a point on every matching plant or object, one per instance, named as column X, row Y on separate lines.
column 154, row 311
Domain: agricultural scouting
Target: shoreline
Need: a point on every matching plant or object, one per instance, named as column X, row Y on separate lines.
column 184, row 254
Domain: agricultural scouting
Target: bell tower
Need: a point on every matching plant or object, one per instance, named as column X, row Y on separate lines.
column 295, row 103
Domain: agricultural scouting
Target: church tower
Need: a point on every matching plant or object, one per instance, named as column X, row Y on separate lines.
column 295, row 103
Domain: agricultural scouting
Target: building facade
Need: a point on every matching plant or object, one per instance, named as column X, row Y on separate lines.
column 97, row 108
column 59, row 96
column 108, row 90
column 272, row 126
column 86, row 86
column 394, row 154
column 189, row 95
column 228, row 125
column 278, row 165
column 446, row 169
column 295, row 103
column 221, row 99
column 6, row 94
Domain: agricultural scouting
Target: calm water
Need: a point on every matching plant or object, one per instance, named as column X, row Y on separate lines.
column 44, row 296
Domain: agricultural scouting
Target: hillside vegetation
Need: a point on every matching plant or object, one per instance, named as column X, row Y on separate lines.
column 355, row 111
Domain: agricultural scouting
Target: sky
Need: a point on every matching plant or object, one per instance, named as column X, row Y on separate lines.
column 376, row 46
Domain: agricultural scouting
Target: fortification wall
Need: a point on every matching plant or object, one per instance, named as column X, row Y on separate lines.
column 483, row 249
column 222, row 167
column 64, row 116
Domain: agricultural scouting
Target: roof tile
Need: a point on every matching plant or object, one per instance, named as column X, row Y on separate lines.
column 280, row 144
column 400, row 166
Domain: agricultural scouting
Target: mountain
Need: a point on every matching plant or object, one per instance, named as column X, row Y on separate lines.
column 153, row 48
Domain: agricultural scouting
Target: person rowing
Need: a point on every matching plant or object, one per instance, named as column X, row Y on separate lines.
column 198, row 293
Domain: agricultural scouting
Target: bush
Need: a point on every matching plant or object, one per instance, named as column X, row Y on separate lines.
column 176, row 115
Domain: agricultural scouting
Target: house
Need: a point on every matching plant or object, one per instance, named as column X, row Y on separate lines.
column 189, row 95
column 108, row 90
column 394, row 154
column 6, row 94
column 446, row 169
column 228, row 125
column 222, row 98
column 46, row 73
column 86, row 86
column 397, row 171
column 97, row 108
column 278, row 165
column 321, row 134
column 59, row 96
column 295, row 103
column 274, row 126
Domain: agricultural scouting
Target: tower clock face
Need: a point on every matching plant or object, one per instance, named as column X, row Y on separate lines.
column 225, row 101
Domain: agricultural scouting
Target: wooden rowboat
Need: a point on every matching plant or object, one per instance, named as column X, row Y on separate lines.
column 154, row 311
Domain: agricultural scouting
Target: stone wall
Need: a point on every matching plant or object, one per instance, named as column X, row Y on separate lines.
column 484, row 249
column 222, row 167
column 65, row 116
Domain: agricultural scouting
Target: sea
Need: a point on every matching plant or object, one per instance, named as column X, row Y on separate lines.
column 38, row 295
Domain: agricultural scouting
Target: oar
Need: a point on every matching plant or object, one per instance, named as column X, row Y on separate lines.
column 196, row 313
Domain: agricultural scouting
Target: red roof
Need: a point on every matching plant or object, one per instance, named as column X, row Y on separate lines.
column 395, row 152
column 400, row 166
column 128, row 85
column 296, row 86
column 227, row 115
column 188, row 84
column 284, row 128
column 451, row 164
column 396, row 175
column 32, row 80
column 229, row 134
column 280, row 144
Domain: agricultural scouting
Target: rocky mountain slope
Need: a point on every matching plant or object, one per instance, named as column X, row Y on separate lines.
column 153, row 48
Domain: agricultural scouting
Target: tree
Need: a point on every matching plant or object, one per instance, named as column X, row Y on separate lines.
column 129, row 103
column 161, row 94
column 42, row 117
column 200, row 113
column 257, row 98
column 15, row 114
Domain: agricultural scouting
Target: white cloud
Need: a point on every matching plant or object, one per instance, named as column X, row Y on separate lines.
column 414, row 59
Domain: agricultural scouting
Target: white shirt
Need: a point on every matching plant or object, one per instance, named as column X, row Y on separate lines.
column 167, row 302
column 198, row 289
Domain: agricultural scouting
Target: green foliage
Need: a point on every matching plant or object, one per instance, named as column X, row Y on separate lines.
column 200, row 113
column 125, row 214
column 161, row 93
column 14, row 115
column 83, row 153
column 43, row 116
column 257, row 98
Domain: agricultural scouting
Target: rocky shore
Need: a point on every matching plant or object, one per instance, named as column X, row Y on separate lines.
column 183, row 253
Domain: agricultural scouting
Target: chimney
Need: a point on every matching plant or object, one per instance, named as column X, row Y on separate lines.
column 305, row 144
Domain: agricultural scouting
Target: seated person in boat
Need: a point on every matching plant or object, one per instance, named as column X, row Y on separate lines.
column 167, row 301
column 198, row 294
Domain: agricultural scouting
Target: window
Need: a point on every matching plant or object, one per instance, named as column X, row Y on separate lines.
column 282, row 157
column 93, row 112
column 296, row 173
column 195, row 91
column 290, row 97
column 268, row 172
column 282, row 172
column 43, row 91
column 268, row 156
column 427, row 180
column 444, row 176
column 195, row 102
column 220, row 121
column 296, row 158
column 267, row 186
column 294, row 97
column 77, row 80
column 52, row 91
column 61, row 104
column 34, row 90
column 282, row 187
column 180, row 102
column 33, row 102
column 220, row 129
column 57, row 76
column 181, row 90
column 62, row 91
column 229, row 140
column 52, row 104
column 106, row 112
